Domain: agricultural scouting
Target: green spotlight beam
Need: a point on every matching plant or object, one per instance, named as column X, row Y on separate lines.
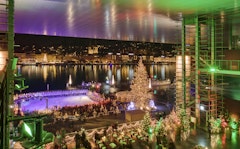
column 217, row 71
column 213, row 69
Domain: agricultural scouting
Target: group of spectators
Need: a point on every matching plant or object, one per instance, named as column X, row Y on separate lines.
column 72, row 117
column 90, row 110
column 131, row 137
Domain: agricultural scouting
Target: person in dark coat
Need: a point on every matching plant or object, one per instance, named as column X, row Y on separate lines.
column 209, row 130
column 77, row 140
column 171, row 145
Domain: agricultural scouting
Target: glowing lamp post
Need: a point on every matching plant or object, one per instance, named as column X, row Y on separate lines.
column 150, row 83
column 202, row 108
column 47, row 87
column 70, row 80
column 47, row 103
column 107, row 80
column 113, row 80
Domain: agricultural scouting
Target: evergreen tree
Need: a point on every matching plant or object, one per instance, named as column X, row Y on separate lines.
column 146, row 123
column 140, row 86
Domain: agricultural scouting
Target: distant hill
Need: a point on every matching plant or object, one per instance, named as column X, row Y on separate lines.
column 42, row 40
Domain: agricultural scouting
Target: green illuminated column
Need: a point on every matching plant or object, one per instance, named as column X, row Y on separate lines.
column 10, row 83
column 39, row 130
column 183, row 64
column 197, row 97
column 212, row 41
column 230, row 42
column 213, row 49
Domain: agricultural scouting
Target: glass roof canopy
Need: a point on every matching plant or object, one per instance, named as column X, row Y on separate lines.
column 142, row 20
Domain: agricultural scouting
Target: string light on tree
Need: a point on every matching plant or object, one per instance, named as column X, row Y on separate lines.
column 146, row 123
column 140, row 86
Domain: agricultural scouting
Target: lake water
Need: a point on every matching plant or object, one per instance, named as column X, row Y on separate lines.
column 37, row 77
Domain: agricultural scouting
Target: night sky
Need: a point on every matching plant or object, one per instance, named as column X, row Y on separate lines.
column 103, row 19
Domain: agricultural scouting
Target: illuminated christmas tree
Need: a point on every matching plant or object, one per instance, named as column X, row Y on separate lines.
column 146, row 123
column 140, row 87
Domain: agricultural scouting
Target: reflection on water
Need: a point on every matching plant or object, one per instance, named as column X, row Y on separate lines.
column 37, row 77
column 225, row 140
column 234, row 138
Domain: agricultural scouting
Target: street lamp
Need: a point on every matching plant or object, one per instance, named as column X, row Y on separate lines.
column 46, row 103
column 202, row 108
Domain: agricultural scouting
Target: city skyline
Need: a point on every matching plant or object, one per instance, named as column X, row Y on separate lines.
column 40, row 43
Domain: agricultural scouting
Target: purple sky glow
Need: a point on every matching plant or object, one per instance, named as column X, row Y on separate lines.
column 105, row 19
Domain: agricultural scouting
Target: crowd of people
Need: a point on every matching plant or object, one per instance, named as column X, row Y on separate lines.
column 89, row 111
column 118, row 136
column 71, row 117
